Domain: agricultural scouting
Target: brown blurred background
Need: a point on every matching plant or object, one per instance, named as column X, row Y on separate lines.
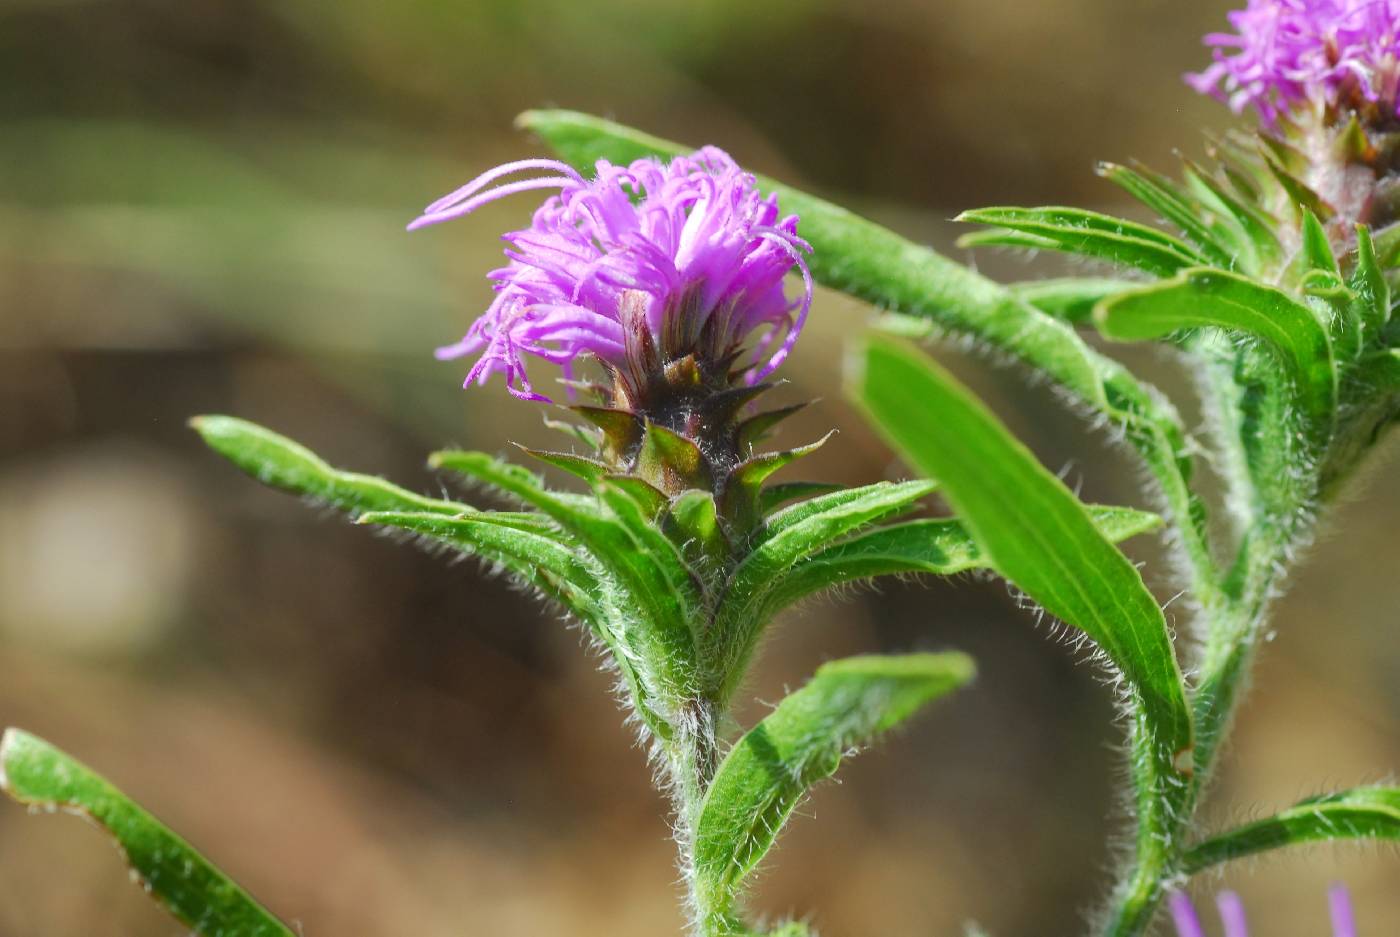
column 201, row 209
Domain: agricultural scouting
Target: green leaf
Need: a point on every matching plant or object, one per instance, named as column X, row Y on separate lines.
column 789, row 536
column 773, row 497
column 1371, row 813
column 889, row 496
column 660, row 603
column 764, row 776
column 1168, row 200
column 182, row 881
column 1030, row 526
column 938, row 547
column 1217, row 299
column 1254, row 232
column 532, row 556
column 1086, row 233
column 1069, row 299
column 589, row 469
column 277, row 461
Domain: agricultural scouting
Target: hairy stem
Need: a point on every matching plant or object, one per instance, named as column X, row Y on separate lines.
column 1273, row 498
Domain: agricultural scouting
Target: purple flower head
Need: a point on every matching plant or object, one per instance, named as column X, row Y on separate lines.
column 641, row 266
column 1337, row 53
column 1232, row 914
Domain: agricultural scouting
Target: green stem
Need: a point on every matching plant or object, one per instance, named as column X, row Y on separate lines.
column 1163, row 821
column 693, row 761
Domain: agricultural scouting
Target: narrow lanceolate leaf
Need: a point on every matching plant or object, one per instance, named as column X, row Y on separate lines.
column 1086, row 233
column 178, row 878
column 1030, row 526
column 789, row 536
column 1167, row 199
column 660, row 601
column 1364, row 813
column 530, row 555
column 1255, row 233
column 277, row 461
column 773, row 497
column 846, row 704
column 1205, row 298
column 938, row 547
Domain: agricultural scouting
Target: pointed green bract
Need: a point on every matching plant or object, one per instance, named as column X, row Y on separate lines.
column 1086, row 233
column 179, row 879
column 1031, row 527
column 1370, row 286
column 1363, row 813
column 846, row 704
column 1207, row 298
column 277, row 461
column 1168, row 200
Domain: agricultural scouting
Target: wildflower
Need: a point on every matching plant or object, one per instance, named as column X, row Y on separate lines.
column 1232, row 914
column 660, row 272
column 1343, row 55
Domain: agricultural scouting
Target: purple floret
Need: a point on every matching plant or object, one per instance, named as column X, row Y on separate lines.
column 682, row 250
column 1232, row 914
column 1338, row 53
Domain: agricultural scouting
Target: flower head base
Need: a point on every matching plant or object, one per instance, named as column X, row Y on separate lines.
column 643, row 267
column 1232, row 914
column 1341, row 55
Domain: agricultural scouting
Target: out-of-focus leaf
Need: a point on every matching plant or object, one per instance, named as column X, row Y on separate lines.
column 177, row 877
column 846, row 703
column 1217, row 299
column 278, row 461
column 1030, row 526
column 1088, row 234
column 1360, row 813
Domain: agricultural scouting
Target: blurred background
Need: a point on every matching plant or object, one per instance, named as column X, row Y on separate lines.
column 201, row 210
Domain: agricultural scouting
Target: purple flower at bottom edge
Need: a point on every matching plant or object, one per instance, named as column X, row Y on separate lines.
column 1283, row 52
column 689, row 251
column 1232, row 914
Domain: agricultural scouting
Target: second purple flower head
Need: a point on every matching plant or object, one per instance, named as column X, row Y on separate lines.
column 643, row 268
